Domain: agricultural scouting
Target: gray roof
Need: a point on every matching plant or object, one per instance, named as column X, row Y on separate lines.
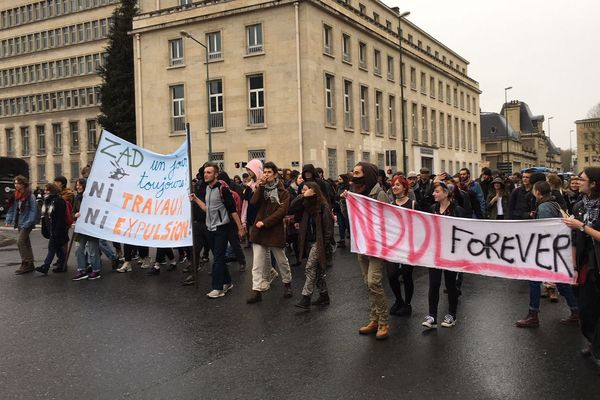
column 552, row 147
column 529, row 122
column 494, row 127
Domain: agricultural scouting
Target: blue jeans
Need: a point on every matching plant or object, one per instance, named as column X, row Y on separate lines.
column 93, row 252
column 535, row 293
column 55, row 249
column 218, row 245
column 107, row 250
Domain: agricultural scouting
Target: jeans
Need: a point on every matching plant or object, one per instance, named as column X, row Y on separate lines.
column 394, row 271
column 535, row 292
column 163, row 253
column 57, row 250
column 107, row 250
column 93, row 252
column 218, row 244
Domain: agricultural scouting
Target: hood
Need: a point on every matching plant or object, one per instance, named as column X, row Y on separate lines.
column 255, row 166
column 309, row 168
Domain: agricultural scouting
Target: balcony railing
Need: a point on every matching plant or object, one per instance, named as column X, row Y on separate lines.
column 257, row 48
column 348, row 120
column 215, row 55
column 216, row 119
column 178, row 124
column 256, row 116
column 364, row 123
column 330, row 116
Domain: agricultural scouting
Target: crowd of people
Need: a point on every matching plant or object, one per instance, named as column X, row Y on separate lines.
column 279, row 212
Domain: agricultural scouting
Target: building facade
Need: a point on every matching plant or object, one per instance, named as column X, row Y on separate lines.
column 306, row 81
column 588, row 143
column 50, row 51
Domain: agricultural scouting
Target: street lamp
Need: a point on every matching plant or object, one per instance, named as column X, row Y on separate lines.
column 570, row 150
column 404, row 139
column 506, row 89
column 187, row 35
column 549, row 144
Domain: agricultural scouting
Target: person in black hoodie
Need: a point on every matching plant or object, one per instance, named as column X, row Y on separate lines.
column 310, row 174
column 54, row 227
column 520, row 205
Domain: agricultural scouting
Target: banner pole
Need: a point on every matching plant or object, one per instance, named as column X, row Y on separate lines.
column 192, row 256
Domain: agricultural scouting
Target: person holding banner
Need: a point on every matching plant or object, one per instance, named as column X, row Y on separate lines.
column 220, row 211
column 586, row 226
column 89, row 247
column 547, row 207
column 364, row 181
column 402, row 306
column 444, row 205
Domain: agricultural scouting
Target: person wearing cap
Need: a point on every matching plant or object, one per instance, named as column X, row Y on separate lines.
column 497, row 200
column 424, row 190
column 444, row 205
column 23, row 214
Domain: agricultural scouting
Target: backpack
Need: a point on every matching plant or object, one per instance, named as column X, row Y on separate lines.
column 68, row 214
column 236, row 197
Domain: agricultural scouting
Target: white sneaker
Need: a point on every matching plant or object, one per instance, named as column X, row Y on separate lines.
column 126, row 267
column 227, row 288
column 146, row 263
column 429, row 322
column 449, row 321
column 215, row 294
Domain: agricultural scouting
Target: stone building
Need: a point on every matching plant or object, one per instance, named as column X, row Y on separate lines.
column 520, row 143
column 49, row 54
column 588, row 143
column 305, row 81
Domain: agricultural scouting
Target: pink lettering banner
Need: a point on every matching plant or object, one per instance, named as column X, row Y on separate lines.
column 537, row 250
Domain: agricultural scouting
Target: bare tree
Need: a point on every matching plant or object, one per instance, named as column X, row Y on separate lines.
column 594, row 111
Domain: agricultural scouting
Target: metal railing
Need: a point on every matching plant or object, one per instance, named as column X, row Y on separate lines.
column 348, row 120
column 216, row 119
column 257, row 48
column 256, row 116
column 330, row 116
column 215, row 55
column 178, row 124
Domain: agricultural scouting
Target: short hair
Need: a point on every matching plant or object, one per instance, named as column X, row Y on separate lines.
column 465, row 169
column 537, row 177
column 22, row 180
column 542, row 187
column 424, row 170
column 212, row 165
column 62, row 180
column 403, row 181
column 517, row 174
column 554, row 181
column 270, row 165
column 245, row 175
column 52, row 188
column 486, row 171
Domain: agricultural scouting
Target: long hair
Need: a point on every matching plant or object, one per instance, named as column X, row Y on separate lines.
column 593, row 174
column 320, row 199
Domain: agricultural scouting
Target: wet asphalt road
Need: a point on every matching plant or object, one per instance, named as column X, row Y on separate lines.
column 132, row 336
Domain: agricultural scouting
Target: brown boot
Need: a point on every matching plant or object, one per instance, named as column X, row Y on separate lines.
column 530, row 321
column 572, row 319
column 383, row 332
column 255, row 297
column 553, row 294
column 370, row 328
column 287, row 290
column 25, row 268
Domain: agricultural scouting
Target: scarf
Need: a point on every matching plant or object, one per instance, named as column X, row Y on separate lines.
column 592, row 210
column 271, row 192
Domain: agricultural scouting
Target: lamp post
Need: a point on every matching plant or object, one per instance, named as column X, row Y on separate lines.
column 549, row 144
column 570, row 150
column 506, row 89
column 404, row 139
column 187, row 35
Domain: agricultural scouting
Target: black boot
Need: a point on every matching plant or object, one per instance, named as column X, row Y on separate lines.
column 395, row 307
column 59, row 268
column 287, row 291
column 153, row 271
column 304, row 303
column 43, row 269
column 322, row 300
column 404, row 311
column 255, row 297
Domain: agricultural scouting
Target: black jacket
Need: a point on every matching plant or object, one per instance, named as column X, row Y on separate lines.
column 54, row 222
column 521, row 204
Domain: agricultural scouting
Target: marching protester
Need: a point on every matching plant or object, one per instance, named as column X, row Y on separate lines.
column 475, row 193
column 586, row 226
column 316, row 230
column 340, row 209
column 364, row 181
column 54, row 228
column 402, row 306
column 423, row 189
column 519, row 205
column 547, row 207
column 271, row 200
column 485, row 181
column 89, row 247
column 572, row 194
column 162, row 254
column 497, row 200
column 444, row 205
column 22, row 215
column 220, row 209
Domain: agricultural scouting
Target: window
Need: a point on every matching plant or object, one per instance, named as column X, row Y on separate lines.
column 91, row 135
column 365, row 156
column 255, row 39
column 444, row 166
column 257, row 154
column 350, row 160
column 25, row 141
column 362, row 8
column 329, row 100
column 178, row 108
column 413, row 118
column 440, row 91
column 413, row 78
column 327, row 40
column 423, row 83
column 41, row 172
column 256, row 97
column 469, row 137
column 448, row 94
column 57, row 133
column 41, row 136
column 449, row 131
column 380, row 161
column 463, row 135
column 377, row 62
column 468, row 103
column 364, row 108
column 410, row 38
column 432, row 87
column 455, row 97
column 456, row 134
column 392, row 116
column 75, row 171
column 425, row 133
column 419, row 44
column 376, row 17
column 332, row 162
column 10, row 141
column 378, row 112
column 391, row 158
column 390, row 68
column 475, row 138
column 219, row 159
column 58, row 169
column 474, row 106
column 346, row 48
column 433, row 127
column 362, row 55
column 462, row 100
column 176, row 51
column 74, row 133
column 216, row 103
column 348, row 116
column 213, row 41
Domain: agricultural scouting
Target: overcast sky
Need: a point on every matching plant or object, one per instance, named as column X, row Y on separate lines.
column 547, row 50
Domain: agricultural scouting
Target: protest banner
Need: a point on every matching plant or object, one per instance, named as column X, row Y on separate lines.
column 538, row 250
column 136, row 196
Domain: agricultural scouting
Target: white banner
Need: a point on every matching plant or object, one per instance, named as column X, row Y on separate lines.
column 136, row 196
column 538, row 250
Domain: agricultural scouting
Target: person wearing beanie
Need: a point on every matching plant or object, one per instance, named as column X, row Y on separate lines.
column 22, row 215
